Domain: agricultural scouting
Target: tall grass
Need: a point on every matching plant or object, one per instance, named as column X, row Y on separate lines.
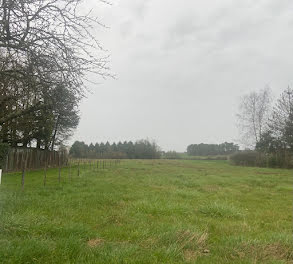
column 156, row 211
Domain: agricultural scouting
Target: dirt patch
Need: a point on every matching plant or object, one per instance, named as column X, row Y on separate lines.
column 267, row 252
column 187, row 238
column 190, row 255
column 193, row 244
column 95, row 242
column 277, row 251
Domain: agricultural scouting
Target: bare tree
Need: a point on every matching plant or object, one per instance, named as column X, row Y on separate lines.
column 44, row 45
column 253, row 114
column 281, row 121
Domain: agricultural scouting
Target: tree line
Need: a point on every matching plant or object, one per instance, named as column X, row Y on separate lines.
column 212, row 149
column 141, row 149
column 267, row 128
column 46, row 50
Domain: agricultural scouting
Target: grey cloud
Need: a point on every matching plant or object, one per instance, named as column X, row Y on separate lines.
column 225, row 27
column 278, row 7
column 126, row 28
column 184, row 28
column 140, row 8
column 182, row 67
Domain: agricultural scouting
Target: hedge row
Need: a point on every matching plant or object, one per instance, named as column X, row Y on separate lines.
column 282, row 159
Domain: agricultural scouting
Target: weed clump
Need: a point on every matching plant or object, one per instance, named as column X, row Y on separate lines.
column 222, row 210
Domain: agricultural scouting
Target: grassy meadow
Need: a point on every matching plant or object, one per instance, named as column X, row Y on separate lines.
column 159, row 211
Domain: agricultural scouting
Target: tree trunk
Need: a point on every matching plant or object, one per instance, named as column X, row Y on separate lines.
column 55, row 133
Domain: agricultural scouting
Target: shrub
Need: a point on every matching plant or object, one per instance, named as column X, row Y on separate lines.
column 282, row 159
column 216, row 157
column 245, row 158
column 171, row 155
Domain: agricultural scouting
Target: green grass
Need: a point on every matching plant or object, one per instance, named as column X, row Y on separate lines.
column 185, row 156
column 149, row 212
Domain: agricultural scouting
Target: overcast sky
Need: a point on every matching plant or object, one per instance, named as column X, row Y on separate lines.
column 182, row 66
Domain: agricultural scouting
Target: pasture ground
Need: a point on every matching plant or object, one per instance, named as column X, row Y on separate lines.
column 149, row 212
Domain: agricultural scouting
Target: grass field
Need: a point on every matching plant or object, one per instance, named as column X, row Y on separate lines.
column 149, row 212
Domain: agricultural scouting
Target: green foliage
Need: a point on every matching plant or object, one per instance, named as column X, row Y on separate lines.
column 280, row 159
column 268, row 143
column 171, row 155
column 211, row 149
column 142, row 149
column 78, row 150
column 48, row 127
column 245, row 158
column 44, row 62
column 4, row 148
column 148, row 211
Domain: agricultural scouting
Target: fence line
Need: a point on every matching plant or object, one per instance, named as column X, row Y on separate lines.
column 33, row 159
column 70, row 168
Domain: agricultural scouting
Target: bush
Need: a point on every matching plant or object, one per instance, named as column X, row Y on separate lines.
column 216, row 157
column 245, row 158
column 281, row 159
column 3, row 154
column 171, row 155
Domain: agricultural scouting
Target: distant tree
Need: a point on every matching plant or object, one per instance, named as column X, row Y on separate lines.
column 142, row 149
column 268, row 143
column 114, row 147
column 79, row 150
column 129, row 149
column 102, row 149
column 288, row 132
column 120, row 147
column 253, row 114
column 281, row 122
column 212, row 149
column 108, row 148
column 277, row 141
column 171, row 155
column 97, row 150
column 91, row 153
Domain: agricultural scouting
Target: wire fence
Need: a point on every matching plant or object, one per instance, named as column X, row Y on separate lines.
column 69, row 169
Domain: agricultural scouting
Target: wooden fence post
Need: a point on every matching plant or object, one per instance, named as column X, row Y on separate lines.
column 22, row 178
column 45, row 170
column 7, row 161
column 59, row 175
column 69, row 170
column 23, row 170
